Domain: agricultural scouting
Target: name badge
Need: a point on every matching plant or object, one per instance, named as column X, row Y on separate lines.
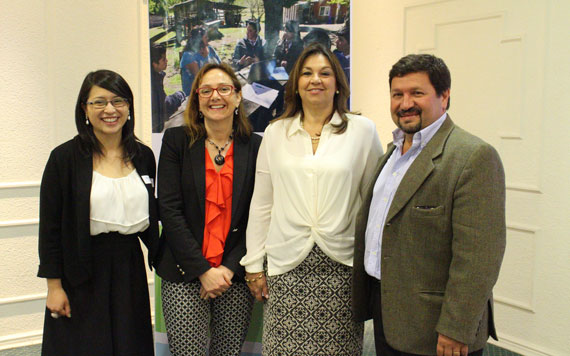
column 148, row 180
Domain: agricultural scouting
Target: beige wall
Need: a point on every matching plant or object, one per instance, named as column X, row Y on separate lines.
column 47, row 47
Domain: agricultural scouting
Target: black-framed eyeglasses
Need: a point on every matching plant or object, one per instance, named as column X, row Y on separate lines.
column 102, row 103
column 223, row 90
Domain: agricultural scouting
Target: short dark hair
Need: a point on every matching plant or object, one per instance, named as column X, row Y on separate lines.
column 253, row 23
column 292, row 26
column 194, row 124
column 114, row 83
column 195, row 40
column 156, row 52
column 293, row 104
column 345, row 31
column 317, row 35
column 434, row 67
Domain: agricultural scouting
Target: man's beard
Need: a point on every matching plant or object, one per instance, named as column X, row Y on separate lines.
column 415, row 128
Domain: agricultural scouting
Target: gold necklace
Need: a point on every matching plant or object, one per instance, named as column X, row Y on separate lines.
column 316, row 138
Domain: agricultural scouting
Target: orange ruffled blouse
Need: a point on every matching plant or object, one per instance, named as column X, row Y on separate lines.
column 218, row 207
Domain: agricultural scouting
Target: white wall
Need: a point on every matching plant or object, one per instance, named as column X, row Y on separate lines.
column 509, row 62
column 47, row 47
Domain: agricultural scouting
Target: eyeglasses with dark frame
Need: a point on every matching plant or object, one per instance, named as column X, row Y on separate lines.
column 100, row 103
column 223, row 90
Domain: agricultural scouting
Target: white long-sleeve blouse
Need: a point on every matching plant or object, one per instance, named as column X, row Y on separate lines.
column 301, row 198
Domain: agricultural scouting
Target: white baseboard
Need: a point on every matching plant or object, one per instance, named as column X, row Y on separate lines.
column 20, row 340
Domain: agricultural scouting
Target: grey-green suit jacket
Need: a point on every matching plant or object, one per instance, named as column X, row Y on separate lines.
column 442, row 245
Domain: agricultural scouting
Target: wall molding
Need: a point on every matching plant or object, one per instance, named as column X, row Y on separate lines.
column 33, row 337
column 514, row 303
column 523, row 228
column 16, row 185
column 22, row 299
column 510, row 136
column 525, row 188
column 20, row 222
column 15, row 341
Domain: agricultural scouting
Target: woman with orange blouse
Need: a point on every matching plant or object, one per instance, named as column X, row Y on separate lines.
column 205, row 182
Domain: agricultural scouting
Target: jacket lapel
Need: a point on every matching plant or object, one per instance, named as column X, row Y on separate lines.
column 196, row 156
column 83, row 180
column 369, row 191
column 240, row 169
column 421, row 168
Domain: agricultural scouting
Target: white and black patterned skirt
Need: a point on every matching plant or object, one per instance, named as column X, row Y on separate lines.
column 309, row 310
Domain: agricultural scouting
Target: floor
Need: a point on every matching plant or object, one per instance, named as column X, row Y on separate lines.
column 490, row 350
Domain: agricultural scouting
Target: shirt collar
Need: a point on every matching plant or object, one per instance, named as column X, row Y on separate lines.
column 252, row 42
column 423, row 136
column 296, row 124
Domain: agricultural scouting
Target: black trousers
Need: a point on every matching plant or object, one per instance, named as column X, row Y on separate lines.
column 382, row 347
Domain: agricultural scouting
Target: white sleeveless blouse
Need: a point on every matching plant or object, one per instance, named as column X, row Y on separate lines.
column 118, row 204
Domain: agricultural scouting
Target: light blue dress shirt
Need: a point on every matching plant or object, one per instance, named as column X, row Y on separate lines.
column 385, row 189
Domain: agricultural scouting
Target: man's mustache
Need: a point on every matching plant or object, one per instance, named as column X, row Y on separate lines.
column 413, row 111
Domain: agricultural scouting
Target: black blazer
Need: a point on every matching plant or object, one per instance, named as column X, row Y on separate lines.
column 64, row 237
column 181, row 201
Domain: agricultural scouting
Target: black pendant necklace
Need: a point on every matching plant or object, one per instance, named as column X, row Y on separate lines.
column 219, row 159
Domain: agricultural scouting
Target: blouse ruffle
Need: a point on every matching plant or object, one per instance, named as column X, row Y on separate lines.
column 218, row 207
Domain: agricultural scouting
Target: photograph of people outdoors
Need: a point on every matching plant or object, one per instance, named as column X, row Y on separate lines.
column 261, row 39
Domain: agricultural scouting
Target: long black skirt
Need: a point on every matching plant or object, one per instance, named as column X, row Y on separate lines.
column 110, row 313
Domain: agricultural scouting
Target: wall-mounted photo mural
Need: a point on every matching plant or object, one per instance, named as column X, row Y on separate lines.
column 261, row 40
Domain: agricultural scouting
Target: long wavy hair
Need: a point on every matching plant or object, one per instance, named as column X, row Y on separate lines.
column 114, row 83
column 293, row 103
column 194, row 124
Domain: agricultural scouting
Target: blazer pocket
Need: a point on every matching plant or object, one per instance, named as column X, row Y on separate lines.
column 432, row 292
column 428, row 210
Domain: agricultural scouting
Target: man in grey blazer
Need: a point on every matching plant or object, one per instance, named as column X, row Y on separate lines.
column 430, row 235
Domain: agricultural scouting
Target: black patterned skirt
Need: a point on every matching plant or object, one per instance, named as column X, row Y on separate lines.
column 309, row 311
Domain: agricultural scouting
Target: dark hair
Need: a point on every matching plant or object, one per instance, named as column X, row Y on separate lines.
column 292, row 26
column 194, row 124
column 195, row 40
column 433, row 66
column 344, row 31
column 317, row 35
column 114, row 83
column 156, row 52
column 253, row 23
column 293, row 104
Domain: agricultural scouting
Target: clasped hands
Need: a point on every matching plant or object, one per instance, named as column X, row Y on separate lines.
column 215, row 282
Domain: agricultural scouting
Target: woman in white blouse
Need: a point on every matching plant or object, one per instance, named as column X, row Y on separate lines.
column 311, row 168
column 96, row 201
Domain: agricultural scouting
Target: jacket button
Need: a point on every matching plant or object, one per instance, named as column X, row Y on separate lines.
column 182, row 272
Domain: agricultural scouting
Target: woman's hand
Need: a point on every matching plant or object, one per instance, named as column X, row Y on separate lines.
column 228, row 275
column 214, row 281
column 257, row 285
column 57, row 301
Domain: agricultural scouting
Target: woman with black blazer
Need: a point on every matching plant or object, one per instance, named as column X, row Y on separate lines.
column 96, row 201
column 205, row 181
